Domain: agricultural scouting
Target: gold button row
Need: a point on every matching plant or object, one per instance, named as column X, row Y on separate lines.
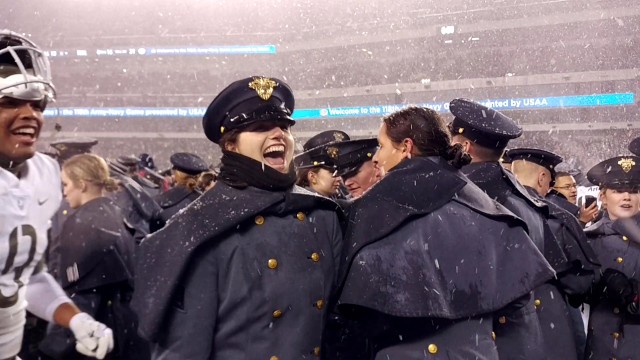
column 273, row 263
column 259, row 220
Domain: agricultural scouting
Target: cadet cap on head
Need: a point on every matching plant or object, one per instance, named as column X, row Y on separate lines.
column 319, row 150
column 544, row 158
column 618, row 173
column 634, row 146
column 245, row 102
column 321, row 156
column 325, row 137
column 486, row 127
column 74, row 145
column 352, row 154
column 188, row 163
column 127, row 160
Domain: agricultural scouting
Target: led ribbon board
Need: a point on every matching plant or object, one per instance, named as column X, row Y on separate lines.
column 552, row 102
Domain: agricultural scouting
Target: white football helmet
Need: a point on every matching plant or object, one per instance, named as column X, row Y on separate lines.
column 25, row 73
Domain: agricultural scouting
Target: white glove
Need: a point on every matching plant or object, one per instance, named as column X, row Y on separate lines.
column 93, row 339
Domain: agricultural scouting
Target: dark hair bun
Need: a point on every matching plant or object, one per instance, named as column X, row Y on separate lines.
column 456, row 156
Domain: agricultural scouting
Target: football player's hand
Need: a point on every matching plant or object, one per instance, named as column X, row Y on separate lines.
column 93, row 339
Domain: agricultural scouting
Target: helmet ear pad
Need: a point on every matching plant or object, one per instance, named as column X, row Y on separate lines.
column 25, row 72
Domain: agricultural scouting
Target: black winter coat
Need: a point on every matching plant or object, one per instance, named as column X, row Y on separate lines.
column 96, row 256
column 430, row 260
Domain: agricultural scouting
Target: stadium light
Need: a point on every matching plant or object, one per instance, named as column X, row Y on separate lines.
column 447, row 29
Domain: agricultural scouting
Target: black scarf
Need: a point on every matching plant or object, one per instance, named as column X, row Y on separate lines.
column 240, row 171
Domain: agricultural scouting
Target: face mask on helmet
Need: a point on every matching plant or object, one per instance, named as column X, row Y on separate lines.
column 24, row 69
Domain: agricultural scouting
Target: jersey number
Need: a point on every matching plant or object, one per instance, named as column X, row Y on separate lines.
column 18, row 233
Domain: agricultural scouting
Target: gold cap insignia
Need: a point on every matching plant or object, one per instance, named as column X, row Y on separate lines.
column 460, row 130
column 338, row 136
column 263, row 86
column 626, row 164
column 332, row 152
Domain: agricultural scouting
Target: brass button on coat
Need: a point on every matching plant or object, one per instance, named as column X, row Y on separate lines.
column 619, row 260
column 300, row 216
column 319, row 304
column 432, row 348
column 502, row 320
column 274, row 358
column 625, row 238
column 316, row 351
column 315, row 257
column 272, row 263
column 537, row 302
column 615, row 335
column 259, row 220
column 277, row 314
column 493, row 336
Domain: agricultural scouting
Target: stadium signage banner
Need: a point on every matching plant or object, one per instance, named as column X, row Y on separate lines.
column 552, row 102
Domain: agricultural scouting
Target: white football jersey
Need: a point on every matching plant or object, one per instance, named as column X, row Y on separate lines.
column 26, row 208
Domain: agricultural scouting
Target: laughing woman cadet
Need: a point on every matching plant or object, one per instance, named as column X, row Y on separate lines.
column 246, row 270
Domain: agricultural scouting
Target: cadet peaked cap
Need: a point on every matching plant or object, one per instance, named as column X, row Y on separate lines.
column 352, row 154
column 76, row 145
column 320, row 156
column 634, row 146
column 188, row 163
column 544, row 158
column 620, row 173
column 127, row 160
column 245, row 102
column 325, row 137
column 319, row 150
column 485, row 126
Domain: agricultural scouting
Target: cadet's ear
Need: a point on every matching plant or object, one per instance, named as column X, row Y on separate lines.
column 542, row 179
column 312, row 177
column 408, row 148
column 83, row 186
column 466, row 144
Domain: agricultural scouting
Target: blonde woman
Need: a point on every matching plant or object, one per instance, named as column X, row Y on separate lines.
column 96, row 260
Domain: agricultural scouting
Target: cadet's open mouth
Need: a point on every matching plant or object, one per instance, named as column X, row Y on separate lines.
column 274, row 156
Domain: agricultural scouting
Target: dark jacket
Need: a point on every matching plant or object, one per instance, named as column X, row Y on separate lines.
column 240, row 274
column 428, row 266
column 551, row 308
column 613, row 332
column 96, row 270
column 574, row 284
column 557, row 198
column 137, row 206
column 172, row 201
